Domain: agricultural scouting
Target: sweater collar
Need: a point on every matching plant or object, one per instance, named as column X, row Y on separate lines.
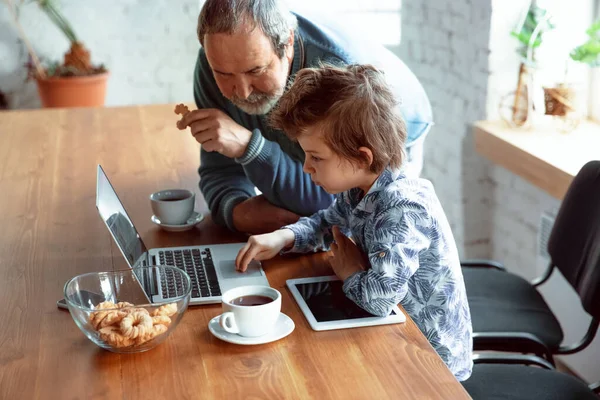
column 298, row 60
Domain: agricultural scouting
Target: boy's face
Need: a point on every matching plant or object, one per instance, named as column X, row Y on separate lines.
column 327, row 169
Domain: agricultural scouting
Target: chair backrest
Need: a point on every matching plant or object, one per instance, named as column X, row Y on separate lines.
column 574, row 244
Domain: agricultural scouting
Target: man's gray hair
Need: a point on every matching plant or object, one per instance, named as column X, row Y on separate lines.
column 272, row 17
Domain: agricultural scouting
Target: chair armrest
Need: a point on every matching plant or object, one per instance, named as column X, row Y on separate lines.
column 517, row 342
column 522, row 359
column 481, row 263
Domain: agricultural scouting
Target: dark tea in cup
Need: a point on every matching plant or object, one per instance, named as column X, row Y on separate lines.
column 251, row 310
column 251, row 300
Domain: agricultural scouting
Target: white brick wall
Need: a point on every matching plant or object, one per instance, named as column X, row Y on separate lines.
column 149, row 47
column 440, row 48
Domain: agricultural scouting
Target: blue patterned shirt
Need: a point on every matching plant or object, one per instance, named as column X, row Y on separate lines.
column 401, row 226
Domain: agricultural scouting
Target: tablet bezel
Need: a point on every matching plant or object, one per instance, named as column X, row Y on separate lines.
column 339, row 324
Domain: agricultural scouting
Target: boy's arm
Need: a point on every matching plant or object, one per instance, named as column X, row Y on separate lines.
column 314, row 233
column 397, row 238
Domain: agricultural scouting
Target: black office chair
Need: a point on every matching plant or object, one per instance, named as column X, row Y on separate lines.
column 509, row 314
column 493, row 379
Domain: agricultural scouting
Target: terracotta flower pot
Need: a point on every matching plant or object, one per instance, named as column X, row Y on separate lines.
column 73, row 91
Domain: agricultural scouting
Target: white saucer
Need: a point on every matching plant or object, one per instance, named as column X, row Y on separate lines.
column 190, row 223
column 283, row 327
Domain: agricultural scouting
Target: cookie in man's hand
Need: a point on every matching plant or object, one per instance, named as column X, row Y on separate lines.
column 181, row 109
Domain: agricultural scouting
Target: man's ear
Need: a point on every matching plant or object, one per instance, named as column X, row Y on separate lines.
column 366, row 155
column 289, row 46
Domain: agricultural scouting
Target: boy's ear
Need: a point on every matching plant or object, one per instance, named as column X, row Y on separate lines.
column 367, row 156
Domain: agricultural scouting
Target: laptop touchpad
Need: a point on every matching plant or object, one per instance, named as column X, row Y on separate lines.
column 228, row 271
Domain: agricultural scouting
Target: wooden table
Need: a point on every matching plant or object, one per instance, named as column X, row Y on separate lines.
column 51, row 231
column 543, row 155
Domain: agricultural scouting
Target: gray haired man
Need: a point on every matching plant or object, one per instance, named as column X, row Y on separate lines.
column 250, row 50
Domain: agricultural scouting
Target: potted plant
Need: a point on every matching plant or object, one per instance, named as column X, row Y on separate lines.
column 74, row 82
column 561, row 100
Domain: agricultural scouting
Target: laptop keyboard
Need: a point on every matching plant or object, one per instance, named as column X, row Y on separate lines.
column 198, row 265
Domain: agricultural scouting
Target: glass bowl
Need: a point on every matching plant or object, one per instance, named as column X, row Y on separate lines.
column 114, row 311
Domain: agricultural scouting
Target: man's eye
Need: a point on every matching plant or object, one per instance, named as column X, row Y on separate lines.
column 257, row 71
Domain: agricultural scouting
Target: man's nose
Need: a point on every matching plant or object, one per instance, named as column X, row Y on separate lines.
column 242, row 88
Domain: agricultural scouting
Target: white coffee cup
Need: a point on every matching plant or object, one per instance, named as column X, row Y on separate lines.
column 241, row 317
column 173, row 206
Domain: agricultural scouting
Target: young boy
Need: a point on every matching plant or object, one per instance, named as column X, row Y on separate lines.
column 402, row 249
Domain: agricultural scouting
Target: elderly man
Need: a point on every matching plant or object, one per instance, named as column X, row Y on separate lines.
column 250, row 50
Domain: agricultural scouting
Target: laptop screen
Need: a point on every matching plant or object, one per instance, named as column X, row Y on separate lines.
column 118, row 222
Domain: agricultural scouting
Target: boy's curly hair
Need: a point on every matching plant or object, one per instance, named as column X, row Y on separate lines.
column 352, row 105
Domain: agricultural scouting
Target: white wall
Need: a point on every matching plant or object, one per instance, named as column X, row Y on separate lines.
column 446, row 44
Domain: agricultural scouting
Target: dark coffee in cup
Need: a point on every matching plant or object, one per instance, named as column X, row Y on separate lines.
column 251, row 300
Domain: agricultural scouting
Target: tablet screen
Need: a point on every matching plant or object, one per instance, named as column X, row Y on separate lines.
column 327, row 301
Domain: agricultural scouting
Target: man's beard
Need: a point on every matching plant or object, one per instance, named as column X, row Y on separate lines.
column 257, row 103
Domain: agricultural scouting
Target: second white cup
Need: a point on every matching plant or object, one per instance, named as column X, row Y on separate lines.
column 173, row 206
column 250, row 311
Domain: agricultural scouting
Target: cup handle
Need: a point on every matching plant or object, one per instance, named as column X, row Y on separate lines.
column 227, row 322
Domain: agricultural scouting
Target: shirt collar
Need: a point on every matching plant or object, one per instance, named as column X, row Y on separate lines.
column 384, row 179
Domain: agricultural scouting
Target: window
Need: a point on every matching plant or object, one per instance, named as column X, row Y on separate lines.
column 380, row 19
column 594, row 109
column 555, row 66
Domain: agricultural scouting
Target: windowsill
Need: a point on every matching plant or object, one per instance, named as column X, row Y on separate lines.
column 542, row 155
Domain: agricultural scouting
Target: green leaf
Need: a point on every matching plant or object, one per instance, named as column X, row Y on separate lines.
column 589, row 52
column 594, row 30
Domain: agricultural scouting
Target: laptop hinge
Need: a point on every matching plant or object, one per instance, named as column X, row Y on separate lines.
column 152, row 276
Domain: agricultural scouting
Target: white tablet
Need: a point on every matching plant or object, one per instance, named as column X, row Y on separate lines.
column 326, row 306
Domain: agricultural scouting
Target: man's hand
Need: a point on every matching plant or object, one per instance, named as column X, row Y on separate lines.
column 216, row 131
column 256, row 215
column 263, row 247
column 347, row 258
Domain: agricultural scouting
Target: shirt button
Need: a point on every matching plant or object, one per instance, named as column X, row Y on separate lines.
column 382, row 254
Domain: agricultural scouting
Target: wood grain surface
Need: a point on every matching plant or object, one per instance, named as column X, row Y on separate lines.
column 542, row 154
column 51, row 231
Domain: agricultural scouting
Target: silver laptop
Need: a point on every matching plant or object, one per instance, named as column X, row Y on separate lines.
column 211, row 267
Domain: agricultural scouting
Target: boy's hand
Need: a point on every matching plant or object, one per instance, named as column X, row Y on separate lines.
column 263, row 247
column 347, row 257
